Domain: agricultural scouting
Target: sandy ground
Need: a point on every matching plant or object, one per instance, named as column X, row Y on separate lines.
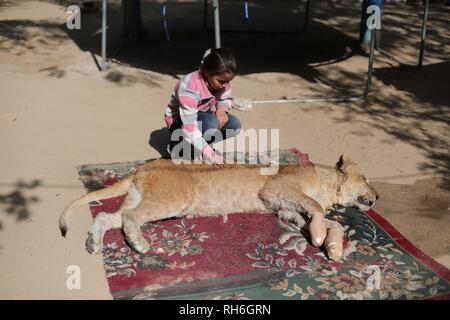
column 58, row 111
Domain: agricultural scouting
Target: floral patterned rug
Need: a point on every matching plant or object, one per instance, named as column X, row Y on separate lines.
column 255, row 256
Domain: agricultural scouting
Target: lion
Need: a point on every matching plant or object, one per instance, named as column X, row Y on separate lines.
column 162, row 189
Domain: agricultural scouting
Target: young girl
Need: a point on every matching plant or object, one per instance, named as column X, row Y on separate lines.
column 201, row 103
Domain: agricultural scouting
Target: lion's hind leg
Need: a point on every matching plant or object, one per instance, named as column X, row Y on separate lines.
column 102, row 223
column 105, row 221
column 132, row 229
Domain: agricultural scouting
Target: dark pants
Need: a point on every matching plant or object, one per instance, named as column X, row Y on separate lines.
column 209, row 126
column 365, row 16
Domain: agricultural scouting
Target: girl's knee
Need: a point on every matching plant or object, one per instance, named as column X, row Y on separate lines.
column 207, row 121
column 232, row 127
column 233, row 123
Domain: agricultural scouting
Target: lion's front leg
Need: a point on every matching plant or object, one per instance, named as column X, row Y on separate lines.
column 317, row 225
column 334, row 242
column 281, row 199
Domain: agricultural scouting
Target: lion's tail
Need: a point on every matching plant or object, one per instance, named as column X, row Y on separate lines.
column 117, row 189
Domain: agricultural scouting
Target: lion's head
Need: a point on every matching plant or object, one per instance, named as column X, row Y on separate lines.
column 354, row 188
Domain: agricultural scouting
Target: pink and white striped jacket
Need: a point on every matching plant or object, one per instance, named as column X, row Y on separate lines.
column 190, row 96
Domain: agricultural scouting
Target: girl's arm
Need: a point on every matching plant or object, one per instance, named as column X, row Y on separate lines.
column 188, row 102
column 225, row 101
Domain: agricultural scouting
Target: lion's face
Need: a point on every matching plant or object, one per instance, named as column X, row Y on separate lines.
column 354, row 188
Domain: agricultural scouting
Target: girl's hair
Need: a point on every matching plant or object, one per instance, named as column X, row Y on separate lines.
column 218, row 61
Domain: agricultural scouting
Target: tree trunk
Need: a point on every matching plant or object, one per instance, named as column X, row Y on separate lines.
column 132, row 20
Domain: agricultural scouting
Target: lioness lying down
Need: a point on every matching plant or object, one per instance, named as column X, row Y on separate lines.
column 162, row 189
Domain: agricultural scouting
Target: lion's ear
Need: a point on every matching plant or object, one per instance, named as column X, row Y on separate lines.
column 344, row 163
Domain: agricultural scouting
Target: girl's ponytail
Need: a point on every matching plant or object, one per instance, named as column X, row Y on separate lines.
column 207, row 53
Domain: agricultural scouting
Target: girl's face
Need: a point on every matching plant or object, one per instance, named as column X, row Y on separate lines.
column 219, row 81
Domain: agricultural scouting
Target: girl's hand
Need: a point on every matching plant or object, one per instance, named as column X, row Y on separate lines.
column 217, row 161
column 222, row 117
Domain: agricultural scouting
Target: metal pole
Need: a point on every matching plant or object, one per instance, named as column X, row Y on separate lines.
column 371, row 60
column 337, row 99
column 424, row 33
column 104, row 65
column 306, row 23
column 215, row 4
column 205, row 14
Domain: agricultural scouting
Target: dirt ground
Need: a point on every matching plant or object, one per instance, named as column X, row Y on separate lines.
column 59, row 111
